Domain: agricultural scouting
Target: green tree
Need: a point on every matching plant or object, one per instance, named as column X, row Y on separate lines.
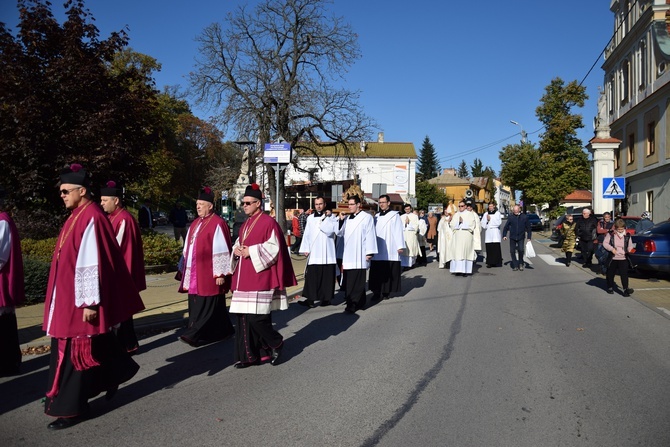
column 519, row 163
column 565, row 164
column 64, row 100
column 428, row 193
column 275, row 71
column 477, row 168
column 559, row 165
column 463, row 169
column 428, row 165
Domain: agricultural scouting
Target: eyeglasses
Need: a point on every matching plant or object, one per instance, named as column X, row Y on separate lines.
column 351, row 204
column 64, row 192
column 249, row 203
column 461, row 206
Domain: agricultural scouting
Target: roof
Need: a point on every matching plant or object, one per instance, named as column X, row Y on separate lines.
column 448, row 179
column 579, row 195
column 372, row 150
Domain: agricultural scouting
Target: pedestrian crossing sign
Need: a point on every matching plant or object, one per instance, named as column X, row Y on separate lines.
column 614, row 188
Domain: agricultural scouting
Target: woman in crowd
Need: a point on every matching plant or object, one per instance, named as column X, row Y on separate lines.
column 569, row 238
column 619, row 244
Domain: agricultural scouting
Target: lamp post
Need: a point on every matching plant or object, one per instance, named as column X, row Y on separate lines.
column 523, row 133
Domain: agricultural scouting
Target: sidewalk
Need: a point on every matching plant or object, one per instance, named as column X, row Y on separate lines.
column 651, row 291
column 165, row 308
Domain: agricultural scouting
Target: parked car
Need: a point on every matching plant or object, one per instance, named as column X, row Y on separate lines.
column 190, row 215
column 535, row 221
column 652, row 249
column 631, row 222
column 159, row 218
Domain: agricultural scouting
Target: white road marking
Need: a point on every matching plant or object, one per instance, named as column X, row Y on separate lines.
column 551, row 260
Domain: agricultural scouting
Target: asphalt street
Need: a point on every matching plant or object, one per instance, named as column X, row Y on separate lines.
column 542, row 357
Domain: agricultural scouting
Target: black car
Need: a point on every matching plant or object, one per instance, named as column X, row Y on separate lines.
column 535, row 221
column 159, row 218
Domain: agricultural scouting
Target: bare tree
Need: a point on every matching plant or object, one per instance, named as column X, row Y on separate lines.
column 276, row 69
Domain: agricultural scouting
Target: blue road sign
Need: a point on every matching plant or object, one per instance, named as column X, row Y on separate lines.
column 614, row 188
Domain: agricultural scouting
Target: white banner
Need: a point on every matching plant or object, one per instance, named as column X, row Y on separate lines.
column 401, row 179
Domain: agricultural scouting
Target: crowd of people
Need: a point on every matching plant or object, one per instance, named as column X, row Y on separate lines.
column 97, row 272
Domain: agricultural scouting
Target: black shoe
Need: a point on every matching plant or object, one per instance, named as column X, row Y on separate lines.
column 109, row 395
column 488, row 266
column 325, row 303
column 521, row 267
column 385, row 297
column 627, row 292
column 567, row 264
column 307, row 303
column 276, row 355
column 242, row 365
column 376, row 297
column 61, row 423
column 349, row 310
column 610, row 291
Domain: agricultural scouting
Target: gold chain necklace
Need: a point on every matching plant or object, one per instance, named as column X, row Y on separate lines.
column 69, row 230
column 247, row 230
column 200, row 228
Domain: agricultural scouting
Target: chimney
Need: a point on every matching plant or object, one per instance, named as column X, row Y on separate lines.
column 363, row 146
column 380, row 137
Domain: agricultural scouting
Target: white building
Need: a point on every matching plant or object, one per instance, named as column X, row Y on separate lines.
column 637, row 104
column 391, row 164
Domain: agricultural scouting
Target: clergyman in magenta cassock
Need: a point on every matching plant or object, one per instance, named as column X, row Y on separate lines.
column 12, row 292
column 89, row 291
column 127, row 233
column 206, row 275
column 262, row 272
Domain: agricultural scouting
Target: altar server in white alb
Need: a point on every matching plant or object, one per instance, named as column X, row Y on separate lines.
column 385, row 267
column 491, row 221
column 411, row 230
column 461, row 252
column 318, row 244
column 360, row 245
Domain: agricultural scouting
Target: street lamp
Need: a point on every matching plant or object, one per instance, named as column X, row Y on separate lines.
column 523, row 133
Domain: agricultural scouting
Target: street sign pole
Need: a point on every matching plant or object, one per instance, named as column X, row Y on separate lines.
column 278, row 168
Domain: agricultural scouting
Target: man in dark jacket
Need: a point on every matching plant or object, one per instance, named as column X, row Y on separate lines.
column 518, row 226
column 586, row 232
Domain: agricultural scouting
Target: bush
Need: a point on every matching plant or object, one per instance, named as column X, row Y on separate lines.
column 160, row 249
column 36, row 274
column 39, row 250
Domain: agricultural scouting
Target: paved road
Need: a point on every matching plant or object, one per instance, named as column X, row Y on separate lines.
column 542, row 357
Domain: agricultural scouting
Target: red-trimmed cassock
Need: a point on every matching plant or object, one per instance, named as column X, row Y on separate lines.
column 259, row 286
column 87, row 271
column 12, row 294
column 127, row 233
column 206, row 258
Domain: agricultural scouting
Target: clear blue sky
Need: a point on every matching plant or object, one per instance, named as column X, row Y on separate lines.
column 457, row 72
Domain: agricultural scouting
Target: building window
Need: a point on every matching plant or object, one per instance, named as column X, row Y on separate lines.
column 625, row 81
column 631, row 149
column 642, row 65
column 610, row 95
column 651, row 139
column 617, row 158
column 650, row 203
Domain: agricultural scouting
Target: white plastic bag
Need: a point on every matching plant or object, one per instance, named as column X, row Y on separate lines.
column 530, row 251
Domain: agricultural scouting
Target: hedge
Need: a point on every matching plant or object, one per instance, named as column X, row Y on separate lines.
column 159, row 249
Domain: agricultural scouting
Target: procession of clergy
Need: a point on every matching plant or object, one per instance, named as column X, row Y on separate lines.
column 97, row 272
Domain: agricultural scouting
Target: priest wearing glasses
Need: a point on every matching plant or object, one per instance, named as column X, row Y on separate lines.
column 262, row 271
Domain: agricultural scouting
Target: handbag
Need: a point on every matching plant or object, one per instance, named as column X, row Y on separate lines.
column 530, row 251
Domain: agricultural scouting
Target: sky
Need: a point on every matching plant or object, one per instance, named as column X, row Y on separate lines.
column 457, row 72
